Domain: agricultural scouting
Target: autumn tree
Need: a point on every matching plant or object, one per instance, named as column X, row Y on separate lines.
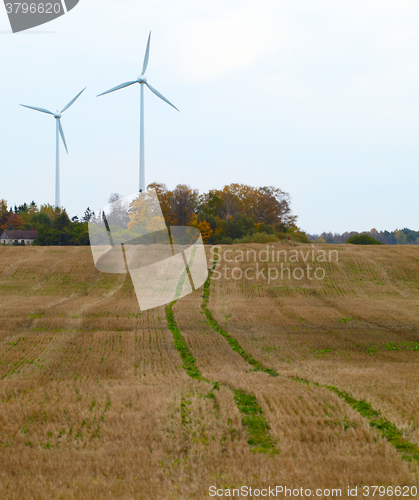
column 273, row 207
column 267, row 205
column 210, row 204
column 400, row 237
column 205, row 229
column 12, row 221
column 164, row 196
column 26, row 212
column 183, row 204
column 52, row 211
column 145, row 214
column 178, row 206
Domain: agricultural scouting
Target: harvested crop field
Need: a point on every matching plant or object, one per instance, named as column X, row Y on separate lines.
column 272, row 374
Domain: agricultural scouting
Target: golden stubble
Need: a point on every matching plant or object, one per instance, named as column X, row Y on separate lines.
column 95, row 402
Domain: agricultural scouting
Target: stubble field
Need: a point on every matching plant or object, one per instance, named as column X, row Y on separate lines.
column 250, row 381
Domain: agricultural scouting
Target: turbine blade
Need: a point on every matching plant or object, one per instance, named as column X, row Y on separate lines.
column 160, row 95
column 118, row 87
column 42, row 110
column 62, row 134
column 72, row 101
column 147, row 53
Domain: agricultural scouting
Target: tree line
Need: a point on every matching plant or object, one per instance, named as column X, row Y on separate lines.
column 235, row 213
column 53, row 225
column 404, row 236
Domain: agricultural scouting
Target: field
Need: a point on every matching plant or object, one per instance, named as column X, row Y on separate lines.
column 256, row 379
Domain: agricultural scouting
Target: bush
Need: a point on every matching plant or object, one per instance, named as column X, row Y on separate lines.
column 363, row 239
column 300, row 237
column 266, row 228
column 258, row 238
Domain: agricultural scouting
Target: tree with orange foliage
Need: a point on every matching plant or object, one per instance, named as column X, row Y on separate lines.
column 13, row 221
column 205, row 229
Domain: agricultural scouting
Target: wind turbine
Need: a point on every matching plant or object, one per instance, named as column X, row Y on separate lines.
column 58, row 131
column 142, row 80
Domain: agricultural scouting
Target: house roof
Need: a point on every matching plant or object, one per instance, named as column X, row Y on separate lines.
column 14, row 234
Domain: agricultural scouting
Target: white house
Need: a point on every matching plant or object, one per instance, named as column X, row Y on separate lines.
column 16, row 237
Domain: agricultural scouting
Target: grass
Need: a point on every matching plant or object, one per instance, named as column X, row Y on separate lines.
column 254, row 422
column 188, row 361
column 253, row 419
column 231, row 340
column 408, row 346
column 409, row 451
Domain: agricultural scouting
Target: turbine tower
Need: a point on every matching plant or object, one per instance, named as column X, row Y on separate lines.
column 142, row 80
column 58, row 131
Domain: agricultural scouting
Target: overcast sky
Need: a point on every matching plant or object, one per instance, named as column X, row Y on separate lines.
column 317, row 97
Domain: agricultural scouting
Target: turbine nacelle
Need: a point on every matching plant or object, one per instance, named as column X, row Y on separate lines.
column 142, row 80
column 57, row 115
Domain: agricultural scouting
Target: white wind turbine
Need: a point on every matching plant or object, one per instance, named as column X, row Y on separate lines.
column 58, row 131
column 142, row 80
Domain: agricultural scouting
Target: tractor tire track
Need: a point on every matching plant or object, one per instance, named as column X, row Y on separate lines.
column 408, row 451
